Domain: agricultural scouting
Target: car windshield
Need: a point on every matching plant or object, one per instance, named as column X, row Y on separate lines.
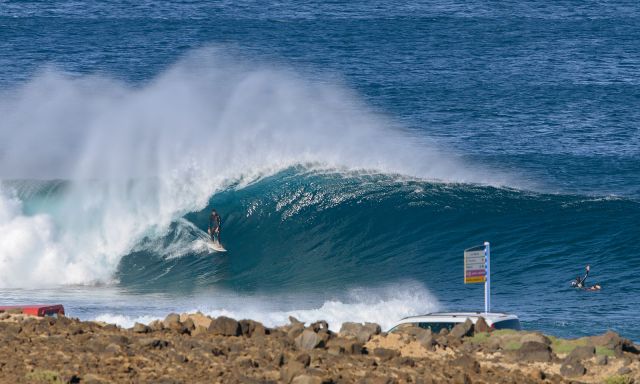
column 507, row 324
column 436, row 327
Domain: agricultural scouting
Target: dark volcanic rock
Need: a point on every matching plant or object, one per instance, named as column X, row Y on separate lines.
column 609, row 340
column 385, row 353
column 189, row 325
column 340, row 345
column 140, row 328
column 153, row 343
column 200, row 330
column 454, row 342
column 423, row 336
column 304, row 358
column 295, row 330
column 319, row 326
column 572, row 368
column 290, row 370
column 293, row 321
column 172, row 321
column 404, row 361
column 624, row 371
column 467, row 363
column 225, row 326
column 582, row 353
column 613, row 341
column 534, row 351
column 156, row 325
column 534, row 336
column 442, row 341
column 308, row 340
column 481, row 325
column 362, row 333
column 462, row 329
column 252, row 328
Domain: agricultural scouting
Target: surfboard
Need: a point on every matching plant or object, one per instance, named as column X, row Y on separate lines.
column 592, row 288
column 596, row 287
column 216, row 246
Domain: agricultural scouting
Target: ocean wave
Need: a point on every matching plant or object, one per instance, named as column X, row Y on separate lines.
column 133, row 160
column 301, row 227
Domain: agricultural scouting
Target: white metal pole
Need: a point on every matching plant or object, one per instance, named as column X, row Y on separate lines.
column 487, row 282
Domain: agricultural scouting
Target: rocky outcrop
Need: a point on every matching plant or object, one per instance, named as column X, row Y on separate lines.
column 613, row 341
column 308, row 340
column 196, row 348
column 385, row 353
column 198, row 319
column 466, row 362
column 533, row 351
column 481, row 325
column 172, row 321
column 252, row 328
column 362, row 332
column 462, row 329
column 582, row 353
column 572, row 368
column 140, row 328
column 225, row 326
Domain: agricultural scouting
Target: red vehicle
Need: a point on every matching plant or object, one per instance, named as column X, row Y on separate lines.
column 36, row 310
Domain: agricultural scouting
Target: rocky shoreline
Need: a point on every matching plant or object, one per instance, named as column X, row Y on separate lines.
column 194, row 348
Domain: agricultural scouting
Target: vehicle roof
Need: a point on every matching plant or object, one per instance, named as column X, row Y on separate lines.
column 491, row 317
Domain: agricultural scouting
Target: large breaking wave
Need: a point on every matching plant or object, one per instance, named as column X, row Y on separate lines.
column 134, row 159
column 318, row 230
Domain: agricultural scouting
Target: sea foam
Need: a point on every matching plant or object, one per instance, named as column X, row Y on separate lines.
column 383, row 305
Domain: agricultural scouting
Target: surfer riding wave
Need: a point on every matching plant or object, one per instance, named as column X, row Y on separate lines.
column 214, row 226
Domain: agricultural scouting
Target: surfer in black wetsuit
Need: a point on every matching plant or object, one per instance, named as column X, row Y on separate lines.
column 214, row 226
column 579, row 282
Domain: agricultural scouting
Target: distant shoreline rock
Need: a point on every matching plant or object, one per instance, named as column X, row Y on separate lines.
column 187, row 348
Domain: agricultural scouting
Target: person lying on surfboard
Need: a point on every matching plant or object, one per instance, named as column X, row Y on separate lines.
column 214, row 226
column 579, row 282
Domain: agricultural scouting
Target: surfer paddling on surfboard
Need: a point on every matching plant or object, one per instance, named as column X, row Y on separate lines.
column 214, row 226
column 579, row 282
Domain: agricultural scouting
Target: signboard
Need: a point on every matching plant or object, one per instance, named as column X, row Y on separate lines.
column 475, row 266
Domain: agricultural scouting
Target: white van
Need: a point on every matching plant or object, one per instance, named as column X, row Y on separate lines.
column 439, row 320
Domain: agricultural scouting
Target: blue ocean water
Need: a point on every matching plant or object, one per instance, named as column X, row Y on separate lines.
column 354, row 150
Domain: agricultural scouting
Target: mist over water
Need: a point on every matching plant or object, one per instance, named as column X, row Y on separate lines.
column 207, row 113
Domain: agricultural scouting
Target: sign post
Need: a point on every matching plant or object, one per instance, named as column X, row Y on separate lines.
column 477, row 270
column 487, row 283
